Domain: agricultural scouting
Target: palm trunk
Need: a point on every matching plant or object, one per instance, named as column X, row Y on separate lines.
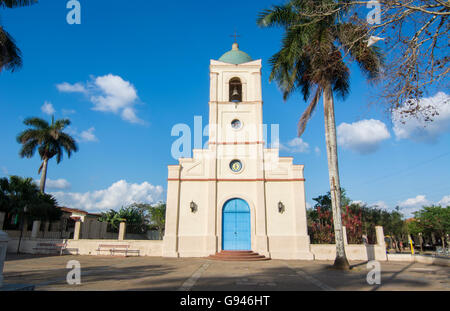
column 43, row 176
column 341, row 261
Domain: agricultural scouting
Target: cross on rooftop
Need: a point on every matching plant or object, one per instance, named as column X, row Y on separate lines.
column 235, row 35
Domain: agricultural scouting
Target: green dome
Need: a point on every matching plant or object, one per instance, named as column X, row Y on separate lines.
column 235, row 56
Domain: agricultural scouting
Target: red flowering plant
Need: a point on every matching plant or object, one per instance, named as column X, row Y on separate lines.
column 321, row 229
column 351, row 219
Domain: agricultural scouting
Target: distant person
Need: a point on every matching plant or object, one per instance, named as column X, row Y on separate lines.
column 364, row 239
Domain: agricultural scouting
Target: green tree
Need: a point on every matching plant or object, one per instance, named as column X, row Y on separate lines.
column 133, row 215
column 112, row 218
column 10, row 54
column 394, row 226
column 18, row 193
column 49, row 139
column 415, row 229
column 324, row 201
column 434, row 219
column 154, row 215
column 157, row 215
column 311, row 59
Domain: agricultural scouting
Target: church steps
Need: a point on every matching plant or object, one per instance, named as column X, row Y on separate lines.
column 237, row 256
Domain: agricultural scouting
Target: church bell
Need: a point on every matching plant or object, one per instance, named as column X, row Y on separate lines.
column 235, row 95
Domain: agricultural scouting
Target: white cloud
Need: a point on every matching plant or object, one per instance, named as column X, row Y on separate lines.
column 129, row 114
column 109, row 93
column 359, row 202
column 117, row 96
column 68, row 111
column 418, row 200
column 84, row 136
column 445, row 201
column 71, row 88
column 317, row 150
column 411, row 205
column 58, row 184
column 364, row 136
column 295, row 145
column 416, row 128
column 47, row 108
column 119, row 194
column 380, row 204
column 88, row 135
column 5, row 170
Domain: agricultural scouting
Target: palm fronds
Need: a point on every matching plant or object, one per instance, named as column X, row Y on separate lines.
column 314, row 49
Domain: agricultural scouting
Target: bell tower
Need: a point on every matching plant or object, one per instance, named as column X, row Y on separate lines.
column 235, row 106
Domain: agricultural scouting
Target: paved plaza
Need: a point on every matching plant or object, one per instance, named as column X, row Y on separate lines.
column 156, row 273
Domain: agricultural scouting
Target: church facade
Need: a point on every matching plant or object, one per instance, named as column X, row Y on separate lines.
column 236, row 194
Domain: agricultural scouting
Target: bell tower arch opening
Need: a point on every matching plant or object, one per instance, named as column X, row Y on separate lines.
column 235, row 90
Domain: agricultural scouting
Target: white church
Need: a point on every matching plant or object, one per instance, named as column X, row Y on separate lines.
column 236, row 196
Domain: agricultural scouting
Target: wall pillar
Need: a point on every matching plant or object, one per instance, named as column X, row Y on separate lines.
column 212, row 208
column 380, row 235
column 103, row 230
column 3, row 247
column 77, row 230
column 85, row 228
column 46, row 227
column 2, row 219
column 262, row 246
column 170, row 244
column 122, row 228
column 344, row 234
column 35, row 229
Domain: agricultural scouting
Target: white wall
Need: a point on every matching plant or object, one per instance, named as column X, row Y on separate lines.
column 353, row 252
column 86, row 247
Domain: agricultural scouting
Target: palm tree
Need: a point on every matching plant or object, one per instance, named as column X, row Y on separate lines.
column 10, row 55
column 49, row 140
column 311, row 60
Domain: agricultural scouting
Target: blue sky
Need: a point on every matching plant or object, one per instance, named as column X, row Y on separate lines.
column 134, row 69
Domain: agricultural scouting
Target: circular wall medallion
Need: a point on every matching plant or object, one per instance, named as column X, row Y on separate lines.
column 236, row 124
column 236, row 166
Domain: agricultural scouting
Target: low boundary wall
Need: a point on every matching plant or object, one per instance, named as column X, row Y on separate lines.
column 353, row 252
column 429, row 260
column 87, row 247
column 146, row 247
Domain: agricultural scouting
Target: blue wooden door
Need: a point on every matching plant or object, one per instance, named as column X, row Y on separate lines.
column 236, row 225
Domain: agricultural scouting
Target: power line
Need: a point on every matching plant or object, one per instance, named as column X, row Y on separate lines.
column 406, row 169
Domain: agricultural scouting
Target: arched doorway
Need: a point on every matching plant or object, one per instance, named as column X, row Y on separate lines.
column 236, row 233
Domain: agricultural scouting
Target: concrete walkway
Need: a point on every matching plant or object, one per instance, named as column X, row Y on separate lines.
column 192, row 274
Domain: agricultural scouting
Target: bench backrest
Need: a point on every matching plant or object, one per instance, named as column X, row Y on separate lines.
column 51, row 244
column 113, row 246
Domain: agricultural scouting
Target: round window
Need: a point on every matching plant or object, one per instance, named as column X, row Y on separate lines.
column 236, row 166
column 236, row 124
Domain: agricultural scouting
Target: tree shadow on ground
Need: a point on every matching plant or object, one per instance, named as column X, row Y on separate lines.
column 21, row 256
column 339, row 280
column 220, row 276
